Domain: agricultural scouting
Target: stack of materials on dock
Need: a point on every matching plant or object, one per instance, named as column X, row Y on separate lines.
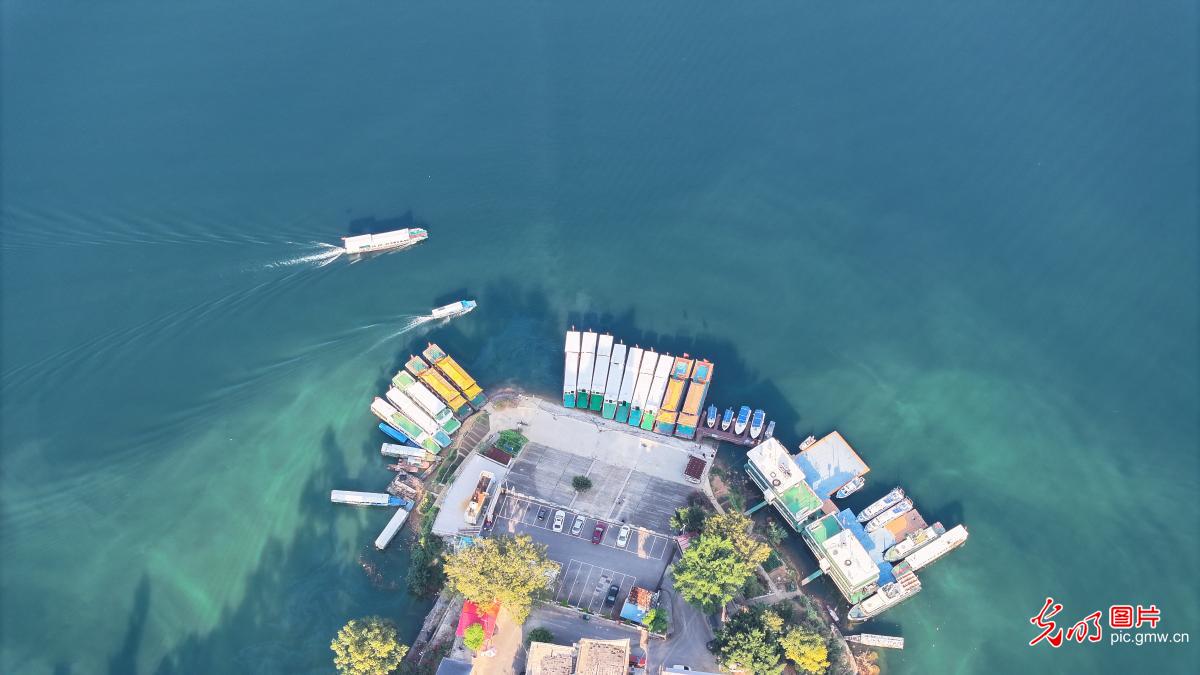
column 635, row 386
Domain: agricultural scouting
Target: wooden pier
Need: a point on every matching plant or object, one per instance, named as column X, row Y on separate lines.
column 704, row 431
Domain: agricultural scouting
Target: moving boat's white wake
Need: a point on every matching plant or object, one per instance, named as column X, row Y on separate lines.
column 320, row 255
column 411, row 323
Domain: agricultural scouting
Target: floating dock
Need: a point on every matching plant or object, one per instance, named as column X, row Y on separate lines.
column 384, row 411
column 440, row 386
column 629, row 378
column 571, row 368
column 658, row 389
column 870, row 640
column 587, row 362
column 418, row 415
column 641, row 392
column 612, row 388
column 693, row 402
column 459, row 376
column 600, row 373
column 668, row 412
column 429, row 402
column 390, row 530
column 365, row 498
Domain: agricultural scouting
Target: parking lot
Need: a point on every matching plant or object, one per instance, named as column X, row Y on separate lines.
column 587, row 569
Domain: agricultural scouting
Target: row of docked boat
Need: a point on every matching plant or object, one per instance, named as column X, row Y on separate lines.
column 423, row 405
column 743, row 421
column 640, row 387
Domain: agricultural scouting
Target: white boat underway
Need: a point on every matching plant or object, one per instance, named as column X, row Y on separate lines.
column 453, row 309
column 384, row 241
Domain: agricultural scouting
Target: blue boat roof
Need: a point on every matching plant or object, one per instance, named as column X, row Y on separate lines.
column 829, row 464
column 875, row 542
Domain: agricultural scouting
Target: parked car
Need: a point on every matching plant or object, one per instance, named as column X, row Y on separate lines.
column 542, row 512
column 598, row 533
column 577, row 527
column 623, row 536
column 559, row 518
column 611, row 599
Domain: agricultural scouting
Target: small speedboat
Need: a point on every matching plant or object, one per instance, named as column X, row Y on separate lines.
column 756, row 423
column 710, row 418
column 889, row 515
column 807, row 442
column 727, row 419
column 850, row 488
column 453, row 309
column 743, row 418
column 770, row 432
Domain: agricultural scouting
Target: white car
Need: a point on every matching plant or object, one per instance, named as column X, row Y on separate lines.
column 623, row 536
column 559, row 518
column 577, row 527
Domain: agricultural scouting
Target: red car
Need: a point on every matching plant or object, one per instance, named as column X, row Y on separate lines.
column 598, row 533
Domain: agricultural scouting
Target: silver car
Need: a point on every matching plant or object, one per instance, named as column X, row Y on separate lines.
column 623, row 536
column 559, row 518
column 577, row 527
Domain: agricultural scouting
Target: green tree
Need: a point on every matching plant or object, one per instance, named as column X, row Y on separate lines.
column 657, row 620
column 748, row 642
column 710, row 573
column 539, row 635
column 581, row 483
column 508, row 570
column 688, row 519
column 367, row 647
column 806, row 649
column 738, row 529
column 773, row 533
column 473, row 637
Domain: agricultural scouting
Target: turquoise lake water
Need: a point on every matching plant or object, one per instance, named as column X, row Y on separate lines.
column 963, row 234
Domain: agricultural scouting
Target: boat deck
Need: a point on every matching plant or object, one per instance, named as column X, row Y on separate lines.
column 703, row 431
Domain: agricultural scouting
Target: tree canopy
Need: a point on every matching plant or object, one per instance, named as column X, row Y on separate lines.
column 367, row 647
column 806, row 649
column 657, row 620
column 508, row 570
column 719, row 562
column 749, row 641
column 581, row 483
column 687, row 519
column 473, row 637
column 539, row 635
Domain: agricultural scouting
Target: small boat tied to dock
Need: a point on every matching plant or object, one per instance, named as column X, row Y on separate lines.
column 384, row 241
column 871, row 640
column 883, row 504
column 851, row 487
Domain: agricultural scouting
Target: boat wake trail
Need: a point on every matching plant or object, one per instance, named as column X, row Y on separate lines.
column 320, row 254
column 410, row 323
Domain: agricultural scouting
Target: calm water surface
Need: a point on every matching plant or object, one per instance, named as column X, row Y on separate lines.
column 964, row 234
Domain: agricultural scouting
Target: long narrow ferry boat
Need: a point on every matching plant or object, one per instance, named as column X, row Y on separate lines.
column 587, row 361
column 440, row 385
column 743, row 418
column 461, row 379
column 888, row 516
column 600, row 373
column 384, row 411
column 384, row 241
column 914, row 541
column 453, row 309
column 889, row 595
column 642, row 391
column 429, row 402
column 571, row 369
column 398, row 435
column 612, row 388
column 693, row 401
column 414, row 412
column 668, row 412
column 658, row 389
column 883, row 504
column 629, row 379
column 926, row 555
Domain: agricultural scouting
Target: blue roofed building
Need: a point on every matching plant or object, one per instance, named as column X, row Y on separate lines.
column 829, row 464
column 637, row 604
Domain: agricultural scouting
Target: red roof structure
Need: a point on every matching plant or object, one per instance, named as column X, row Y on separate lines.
column 471, row 614
column 695, row 469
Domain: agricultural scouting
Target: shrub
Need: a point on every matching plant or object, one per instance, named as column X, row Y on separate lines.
column 539, row 635
column 581, row 483
column 473, row 637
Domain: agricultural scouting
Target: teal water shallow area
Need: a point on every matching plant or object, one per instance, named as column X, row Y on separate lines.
column 964, row 234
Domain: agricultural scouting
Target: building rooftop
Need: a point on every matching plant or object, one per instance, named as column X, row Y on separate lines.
column 829, row 464
column 451, row 518
column 602, row 657
column 694, row 468
column 823, row 528
column 453, row 667
column 781, row 480
column 549, row 659
column 637, row 603
column 850, row 558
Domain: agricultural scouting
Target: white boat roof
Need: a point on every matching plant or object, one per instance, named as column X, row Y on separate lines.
column 382, row 407
column 604, row 345
column 381, row 239
column 662, row 373
column 616, row 365
column 413, row 411
column 389, row 531
column 572, row 341
column 587, row 361
column 570, row 371
column 425, row 398
column 629, row 377
column 925, row 555
column 644, row 380
column 589, row 342
column 600, row 372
